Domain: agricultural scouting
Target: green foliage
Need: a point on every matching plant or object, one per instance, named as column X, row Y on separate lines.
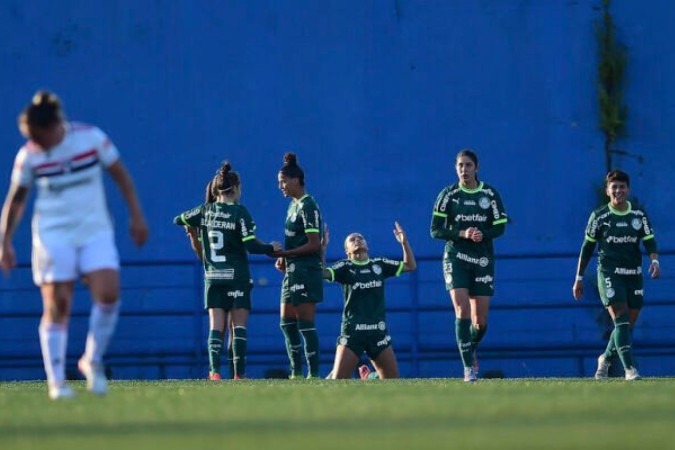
column 611, row 79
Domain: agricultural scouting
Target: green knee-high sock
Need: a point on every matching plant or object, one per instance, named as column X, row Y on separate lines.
column 230, row 356
column 293, row 344
column 622, row 340
column 239, row 348
column 610, row 351
column 311, row 337
column 477, row 335
column 215, row 345
column 463, row 334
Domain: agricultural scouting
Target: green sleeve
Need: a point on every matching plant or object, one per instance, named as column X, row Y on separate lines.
column 440, row 231
column 494, row 231
column 256, row 247
column 650, row 244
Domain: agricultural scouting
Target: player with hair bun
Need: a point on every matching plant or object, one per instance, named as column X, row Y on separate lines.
column 300, row 261
column 72, row 232
column 226, row 236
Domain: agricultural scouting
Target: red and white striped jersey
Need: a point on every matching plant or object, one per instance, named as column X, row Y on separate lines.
column 70, row 202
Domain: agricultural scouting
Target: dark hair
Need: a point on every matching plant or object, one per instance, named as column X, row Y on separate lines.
column 291, row 169
column 469, row 154
column 43, row 111
column 617, row 175
column 211, row 193
column 225, row 179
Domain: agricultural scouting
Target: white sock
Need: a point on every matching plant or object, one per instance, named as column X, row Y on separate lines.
column 53, row 342
column 102, row 324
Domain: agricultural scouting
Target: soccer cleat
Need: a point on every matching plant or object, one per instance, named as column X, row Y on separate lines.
column 364, row 371
column 97, row 383
column 237, row 377
column 214, row 376
column 603, row 368
column 470, row 375
column 61, row 392
column 632, row 374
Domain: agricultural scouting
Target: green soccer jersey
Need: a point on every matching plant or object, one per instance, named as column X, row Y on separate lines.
column 303, row 217
column 618, row 235
column 458, row 208
column 363, row 290
column 224, row 229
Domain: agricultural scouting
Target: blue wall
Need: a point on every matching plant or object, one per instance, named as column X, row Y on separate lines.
column 376, row 97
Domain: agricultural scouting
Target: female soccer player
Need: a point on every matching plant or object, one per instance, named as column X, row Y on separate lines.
column 618, row 228
column 227, row 232
column 364, row 326
column 302, row 286
column 72, row 232
column 468, row 215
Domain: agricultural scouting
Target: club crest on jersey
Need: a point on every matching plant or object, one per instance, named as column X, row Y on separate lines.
column 381, row 326
column 610, row 292
column 636, row 223
column 343, row 340
column 291, row 268
column 377, row 269
column 483, row 262
column 484, row 202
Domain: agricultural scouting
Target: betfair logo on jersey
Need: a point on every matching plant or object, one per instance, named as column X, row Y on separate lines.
column 622, row 239
column 235, row 294
column 470, row 218
column 367, row 285
column 297, row 287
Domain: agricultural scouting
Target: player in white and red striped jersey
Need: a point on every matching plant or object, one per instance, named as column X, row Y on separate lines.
column 73, row 235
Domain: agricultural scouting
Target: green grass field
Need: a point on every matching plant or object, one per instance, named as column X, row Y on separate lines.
column 403, row 414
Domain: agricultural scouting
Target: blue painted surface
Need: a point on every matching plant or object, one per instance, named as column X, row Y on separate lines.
column 376, row 98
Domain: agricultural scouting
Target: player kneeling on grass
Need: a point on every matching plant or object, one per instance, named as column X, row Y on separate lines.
column 364, row 327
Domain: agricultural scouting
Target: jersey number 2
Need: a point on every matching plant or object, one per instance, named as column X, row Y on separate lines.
column 217, row 243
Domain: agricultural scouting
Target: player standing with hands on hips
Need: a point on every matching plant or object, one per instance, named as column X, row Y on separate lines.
column 617, row 228
column 72, row 232
column 468, row 215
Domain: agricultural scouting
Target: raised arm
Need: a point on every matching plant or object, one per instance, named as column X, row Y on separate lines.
column 409, row 263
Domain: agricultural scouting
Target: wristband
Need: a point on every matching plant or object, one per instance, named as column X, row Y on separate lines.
column 655, row 261
column 580, row 278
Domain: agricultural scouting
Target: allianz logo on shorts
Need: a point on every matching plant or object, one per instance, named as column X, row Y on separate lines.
column 624, row 271
column 296, row 287
column 483, row 262
column 370, row 326
column 235, row 294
